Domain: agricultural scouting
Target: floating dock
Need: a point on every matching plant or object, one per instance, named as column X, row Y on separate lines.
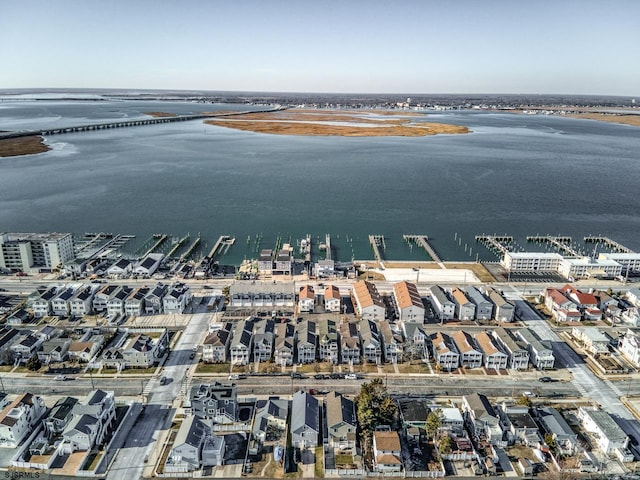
column 222, row 245
column 423, row 241
column 612, row 244
column 115, row 242
column 377, row 243
column 562, row 243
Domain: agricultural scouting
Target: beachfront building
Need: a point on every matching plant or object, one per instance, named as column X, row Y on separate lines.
column 265, row 261
column 586, row 267
column 629, row 261
column 306, row 341
column 408, row 302
column 215, row 348
column 531, row 261
column 32, row 252
column 245, row 293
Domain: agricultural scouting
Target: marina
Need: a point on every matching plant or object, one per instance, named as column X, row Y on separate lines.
column 423, row 241
column 377, row 244
column 562, row 243
column 612, row 244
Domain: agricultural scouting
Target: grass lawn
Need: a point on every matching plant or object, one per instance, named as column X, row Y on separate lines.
column 214, row 368
column 139, row 371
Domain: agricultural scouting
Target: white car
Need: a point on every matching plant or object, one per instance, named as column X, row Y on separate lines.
column 350, row 376
column 234, row 376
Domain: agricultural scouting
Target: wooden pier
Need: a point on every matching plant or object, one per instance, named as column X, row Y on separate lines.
column 423, row 241
column 327, row 244
column 495, row 242
column 114, row 242
column 190, row 250
column 562, row 243
column 222, row 245
column 377, row 243
column 160, row 239
column 612, row 244
column 177, row 245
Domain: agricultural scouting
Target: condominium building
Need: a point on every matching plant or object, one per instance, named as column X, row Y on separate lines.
column 34, row 251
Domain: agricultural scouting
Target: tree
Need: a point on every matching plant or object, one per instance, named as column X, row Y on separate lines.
column 524, row 400
column 374, row 406
column 550, row 441
column 445, row 445
column 433, row 423
column 34, row 363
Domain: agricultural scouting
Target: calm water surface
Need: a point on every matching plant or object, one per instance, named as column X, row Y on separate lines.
column 514, row 174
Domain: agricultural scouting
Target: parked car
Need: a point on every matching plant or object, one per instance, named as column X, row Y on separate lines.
column 351, row 376
column 545, row 379
column 60, row 378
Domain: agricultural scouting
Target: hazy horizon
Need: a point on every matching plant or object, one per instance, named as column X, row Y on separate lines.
column 499, row 47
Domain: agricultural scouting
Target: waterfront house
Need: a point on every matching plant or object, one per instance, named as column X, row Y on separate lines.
column 328, row 344
column 19, row 317
column 464, row 308
column 148, row 265
column 215, row 348
column 470, row 356
column 265, row 262
column 215, row 401
column 518, row 355
column 519, row 425
column 18, row 419
column 413, row 413
column 562, row 309
column 444, row 354
column 504, row 310
column 244, row 293
column 494, row 358
column 340, row 413
column 408, row 302
column 305, row 420
column 306, row 341
column 8, row 336
column 633, row 296
column 540, row 355
column 332, row 300
column 306, row 299
column 387, row 454
column 138, row 351
column 484, row 308
column 367, row 301
column 284, row 261
column 444, row 308
column 120, row 269
column 153, row 299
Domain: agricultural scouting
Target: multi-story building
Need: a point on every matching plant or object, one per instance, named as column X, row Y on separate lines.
column 18, row 419
column 328, row 344
column 504, row 311
column 332, row 300
column 306, row 341
column 470, row 356
column 518, row 356
column 215, row 401
column 215, row 348
column 367, row 301
column 284, row 262
column 371, row 342
column 306, row 299
column 408, row 302
column 265, row 262
column 241, row 342
column 284, row 344
column 540, row 355
column 465, row 309
column 484, row 308
column 494, row 358
column 445, row 308
column 35, row 251
column 531, row 261
column 444, row 353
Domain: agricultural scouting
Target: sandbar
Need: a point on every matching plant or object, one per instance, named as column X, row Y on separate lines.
column 13, row 147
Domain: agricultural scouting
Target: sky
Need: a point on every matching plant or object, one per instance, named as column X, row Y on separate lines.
column 336, row 46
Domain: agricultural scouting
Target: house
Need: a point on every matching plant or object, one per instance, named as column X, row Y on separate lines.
column 213, row 450
column 120, row 269
column 134, row 304
column 341, row 421
column 102, row 296
column 494, row 358
column 18, row 419
column 630, row 347
column 593, row 340
column 464, row 309
column 306, row 341
column 481, row 418
column 562, row 309
column 520, row 426
column 452, row 420
column 306, row 299
column 138, row 351
column 265, row 262
column 328, row 344
column 90, row 423
column 633, row 296
column 116, row 302
column 392, row 343
column 19, row 317
column 554, row 424
column 271, row 416
column 504, row 311
column 82, row 301
column 284, row 261
column 371, row 342
column 176, row 299
column 324, row 268
column 284, row 344
column 518, row 355
column 413, row 413
column 8, row 336
column 60, row 303
column 444, row 354
column 42, row 306
column 582, row 300
column 305, row 420
column 186, row 454
column 609, row 437
column 484, row 308
column 215, row 401
column 367, row 301
column 25, row 346
column 631, row 316
column 215, row 348
column 85, row 350
column 263, row 339
column 445, row 309
column 153, row 303
column 350, row 347
column 387, row 455
column 148, row 265
column 332, row 299
column 416, row 339
column 59, row 416
column 540, row 355
column 408, row 302
column 470, row 356
column 54, row 350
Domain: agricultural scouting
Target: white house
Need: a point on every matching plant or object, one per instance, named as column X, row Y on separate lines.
column 332, row 300
column 306, row 299
column 408, row 302
column 18, row 419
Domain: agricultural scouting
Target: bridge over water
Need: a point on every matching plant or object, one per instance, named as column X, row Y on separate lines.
column 126, row 123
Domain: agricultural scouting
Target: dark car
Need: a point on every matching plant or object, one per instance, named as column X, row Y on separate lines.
column 545, row 379
column 319, row 376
